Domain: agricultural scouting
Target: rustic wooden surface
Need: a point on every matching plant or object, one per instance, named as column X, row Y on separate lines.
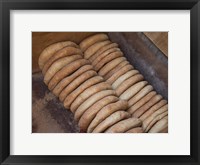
column 160, row 39
column 48, row 114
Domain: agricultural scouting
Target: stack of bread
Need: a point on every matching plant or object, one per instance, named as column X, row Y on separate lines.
column 143, row 102
column 101, row 88
column 95, row 105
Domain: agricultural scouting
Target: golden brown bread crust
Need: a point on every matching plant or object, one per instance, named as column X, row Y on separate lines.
column 107, row 59
column 66, row 81
column 115, row 69
column 58, row 65
column 120, row 72
column 91, row 112
column 66, row 71
column 124, row 125
column 102, row 50
column 154, row 108
column 133, row 90
column 141, row 94
column 87, row 93
column 64, row 52
column 86, row 43
column 110, row 65
column 135, row 130
column 104, row 54
column 156, row 119
column 161, row 126
column 105, row 112
column 148, row 105
column 111, row 120
column 94, row 48
column 128, row 83
column 76, row 83
column 90, row 101
column 158, row 114
column 72, row 96
column 124, row 77
column 140, row 103
column 49, row 51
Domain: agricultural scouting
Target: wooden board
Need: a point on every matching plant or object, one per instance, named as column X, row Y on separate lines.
column 160, row 39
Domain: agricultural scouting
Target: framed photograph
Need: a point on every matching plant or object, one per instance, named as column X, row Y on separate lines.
column 111, row 82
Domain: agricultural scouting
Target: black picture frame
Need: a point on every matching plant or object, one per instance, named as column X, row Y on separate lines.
column 7, row 5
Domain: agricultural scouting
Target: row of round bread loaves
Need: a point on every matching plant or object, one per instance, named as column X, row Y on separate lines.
column 143, row 102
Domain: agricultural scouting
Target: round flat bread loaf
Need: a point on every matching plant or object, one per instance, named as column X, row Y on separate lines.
column 105, row 112
column 64, row 52
column 115, row 69
column 87, row 93
column 124, row 125
column 153, row 116
column 161, row 126
column 64, row 82
column 128, row 83
column 107, row 59
column 49, row 51
column 120, row 72
column 133, row 90
column 140, row 103
column 66, row 71
column 90, row 101
column 143, row 92
column 147, row 106
column 72, row 96
column 111, row 120
column 76, row 83
column 135, row 130
column 91, row 112
column 124, row 77
column 104, row 54
column 94, row 48
column 109, row 66
column 156, row 119
column 89, row 41
column 102, row 50
column 154, row 108
column 58, row 65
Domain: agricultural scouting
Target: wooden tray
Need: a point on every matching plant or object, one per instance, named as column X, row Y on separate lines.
column 49, row 115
